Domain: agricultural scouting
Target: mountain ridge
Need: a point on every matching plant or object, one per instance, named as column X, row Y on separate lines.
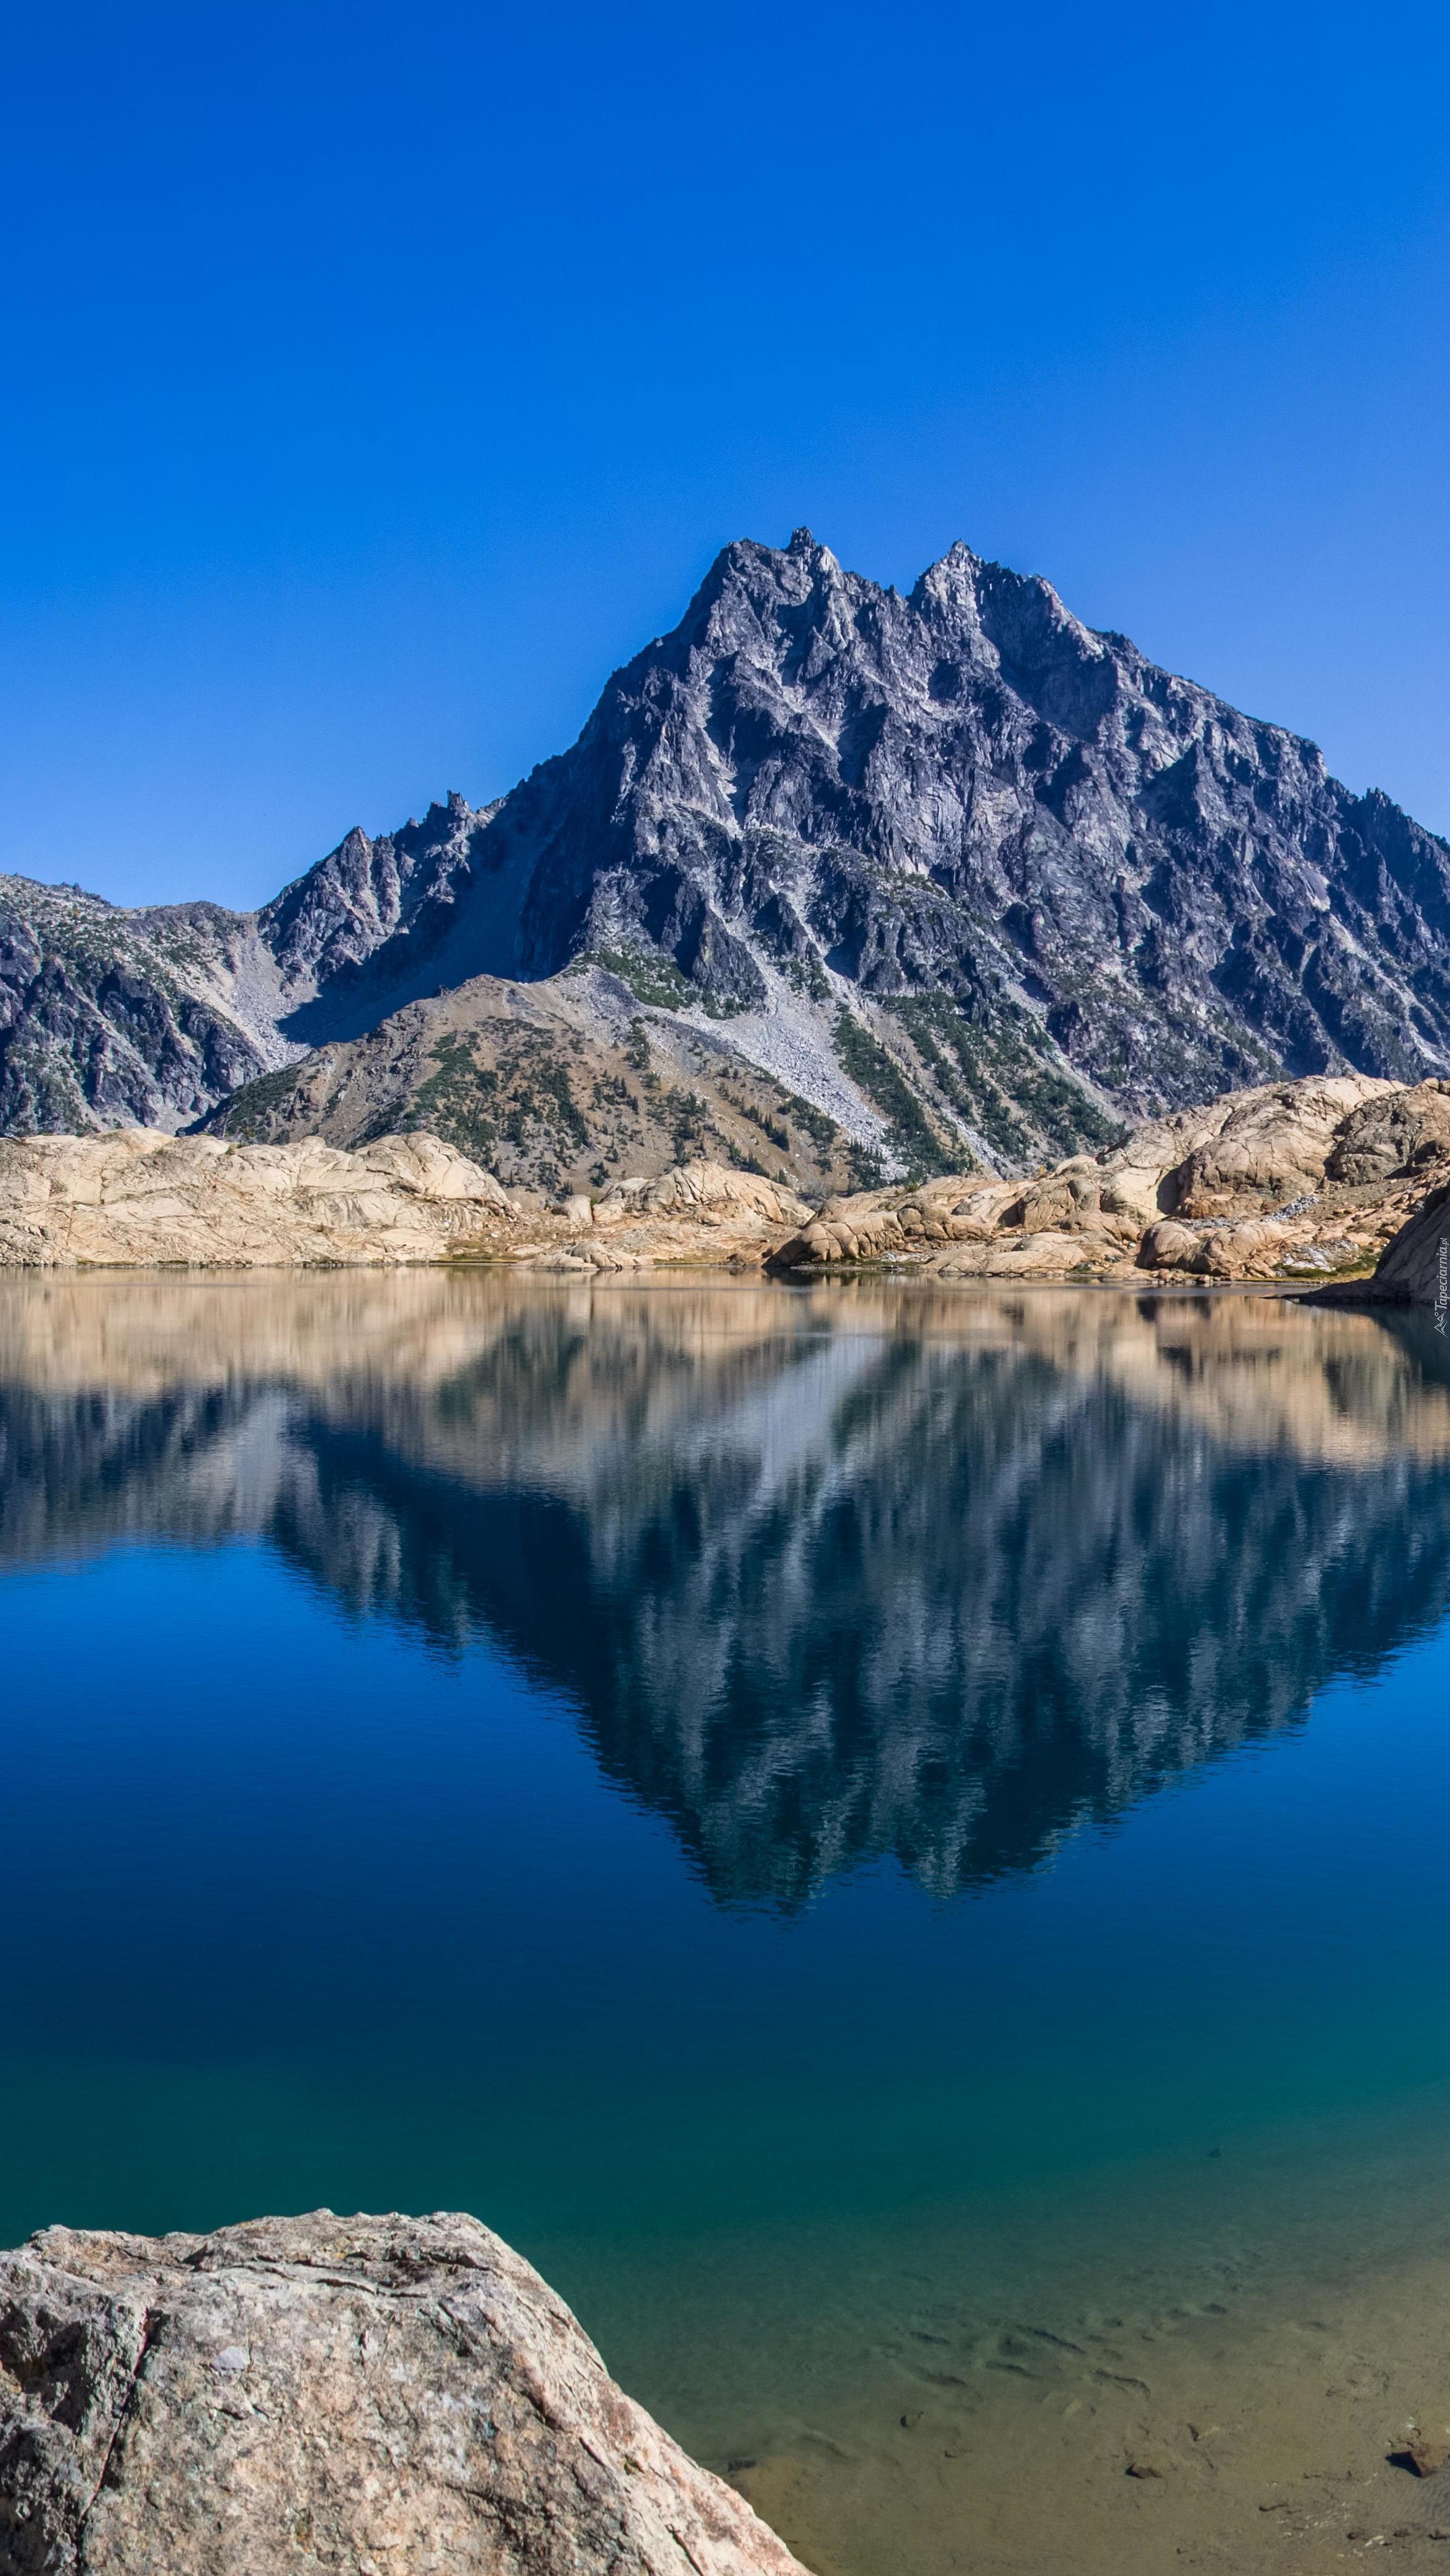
column 966, row 877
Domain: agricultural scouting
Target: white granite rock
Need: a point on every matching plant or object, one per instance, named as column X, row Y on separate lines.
column 139, row 1197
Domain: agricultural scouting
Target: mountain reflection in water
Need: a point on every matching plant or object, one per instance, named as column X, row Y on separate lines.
column 828, row 1574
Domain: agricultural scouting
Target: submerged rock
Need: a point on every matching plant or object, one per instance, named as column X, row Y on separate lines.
column 1149, row 2460
column 1423, row 2457
column 321, row 2392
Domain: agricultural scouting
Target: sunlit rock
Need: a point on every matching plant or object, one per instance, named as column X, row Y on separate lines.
column 331, row 2392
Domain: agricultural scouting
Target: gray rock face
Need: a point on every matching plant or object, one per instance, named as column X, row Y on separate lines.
column 111, row 1018
column 968, row 793
column 366, row 895
column 956, row 857
column 321, row 2392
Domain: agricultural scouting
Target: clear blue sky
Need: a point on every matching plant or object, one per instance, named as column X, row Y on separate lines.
column 379, row 377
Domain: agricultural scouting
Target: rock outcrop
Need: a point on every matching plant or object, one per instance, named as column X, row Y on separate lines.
column 140, row 1196
column 116, row 1018
column 1288, row 1180
column 954, row 873
column 327, row 2392
column 1264, row 1184
column 1414, row 1268
column 696, row 1212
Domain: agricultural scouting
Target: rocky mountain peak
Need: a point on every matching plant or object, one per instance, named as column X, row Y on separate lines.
column 957, row 867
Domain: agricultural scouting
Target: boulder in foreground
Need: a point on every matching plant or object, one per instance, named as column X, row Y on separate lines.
column 372, row 2394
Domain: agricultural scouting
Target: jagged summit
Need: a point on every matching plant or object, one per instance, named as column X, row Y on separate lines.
column 959, row 871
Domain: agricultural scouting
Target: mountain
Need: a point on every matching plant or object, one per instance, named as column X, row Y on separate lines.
column 112, row 1018
column 951, row 873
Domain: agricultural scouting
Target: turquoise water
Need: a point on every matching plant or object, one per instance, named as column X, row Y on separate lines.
column 765, row 1796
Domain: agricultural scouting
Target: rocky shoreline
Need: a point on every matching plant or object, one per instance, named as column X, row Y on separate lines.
column 322, row 2392
column 1295, row 1182
column 1332, row 1181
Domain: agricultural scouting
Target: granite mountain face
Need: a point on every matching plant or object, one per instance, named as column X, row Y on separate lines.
column 110, row 1018
column 943, row 877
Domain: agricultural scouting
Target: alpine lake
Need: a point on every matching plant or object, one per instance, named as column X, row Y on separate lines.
column 894, row 1840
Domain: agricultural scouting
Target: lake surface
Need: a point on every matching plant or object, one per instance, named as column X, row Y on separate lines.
column 892, row 1840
